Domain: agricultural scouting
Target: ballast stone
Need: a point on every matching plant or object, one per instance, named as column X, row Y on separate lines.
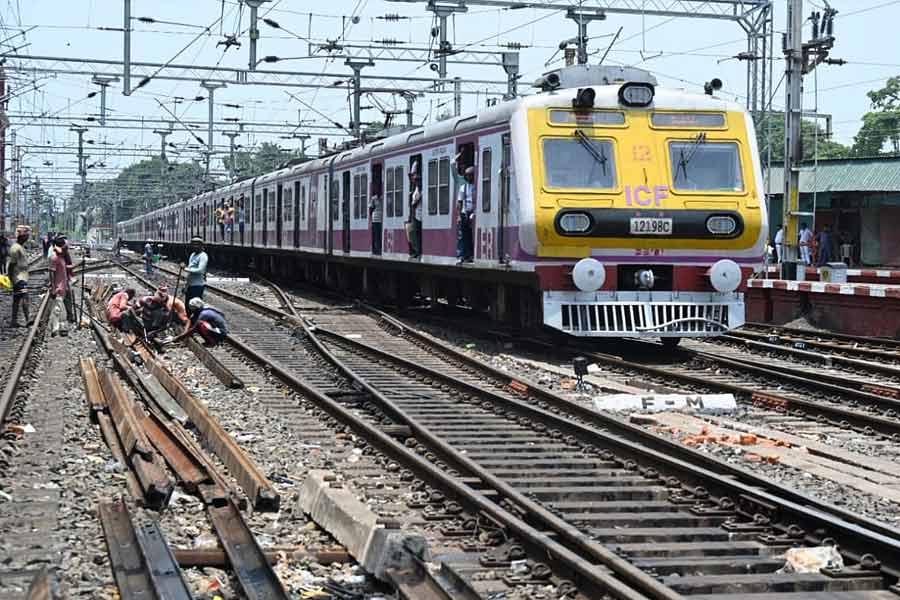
column 375, row 547
column 702, row 403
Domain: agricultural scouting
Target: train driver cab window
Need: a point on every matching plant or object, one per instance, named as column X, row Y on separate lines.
column 704, row 166
column 579, row 162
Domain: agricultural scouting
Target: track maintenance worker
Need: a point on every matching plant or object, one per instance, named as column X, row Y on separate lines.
column 206, row 321
column 196, row 271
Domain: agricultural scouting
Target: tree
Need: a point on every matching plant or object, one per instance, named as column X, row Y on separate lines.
column 881, row 126
column 266, row 158
column 815, row 140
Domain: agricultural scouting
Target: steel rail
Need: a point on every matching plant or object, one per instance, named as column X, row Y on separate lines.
column 855, row 540
column 142, row 562
column 544, row 518
column 539, row 542
column 15, row 374
column 835, row 357
column 843, row 337
column 869, row 348
column 545, row 398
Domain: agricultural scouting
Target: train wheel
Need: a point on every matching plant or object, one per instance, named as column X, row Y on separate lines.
column 670, row 343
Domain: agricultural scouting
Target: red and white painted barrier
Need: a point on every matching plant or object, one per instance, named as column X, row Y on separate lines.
column 875, row 290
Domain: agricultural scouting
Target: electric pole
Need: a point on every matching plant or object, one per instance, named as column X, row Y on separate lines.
column 357, row 65
column 231, row 148
column 103, row 81
column 801, row 58
column 254, row 29
column 163, row 161
column 82, row 170
column 210, row 88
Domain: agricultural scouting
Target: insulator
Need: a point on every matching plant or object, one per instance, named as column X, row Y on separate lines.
column 391, row 17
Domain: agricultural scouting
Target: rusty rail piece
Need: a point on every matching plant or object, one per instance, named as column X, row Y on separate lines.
column 858, row 533
column 214, row 365
column 258, row 489
column 254, row 573
column 216, row 557
column 127, row 420
column 142, row 562
column 11, row 385
column 44, row 586
column 540, row 543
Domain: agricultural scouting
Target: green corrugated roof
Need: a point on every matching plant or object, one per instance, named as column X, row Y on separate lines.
column 843, row 175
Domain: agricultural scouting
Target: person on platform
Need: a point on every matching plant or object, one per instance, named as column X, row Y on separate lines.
column 376, row 211
column 148, row 257
column 4, row 252
column 465, row 199
column 806, row 240
column 118, row 307
column 59, row 286
column 196, row 271
column 206, row 321
column 824, row 243
column 17, row 269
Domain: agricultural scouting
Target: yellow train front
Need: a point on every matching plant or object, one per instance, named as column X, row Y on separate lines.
column 640, row 208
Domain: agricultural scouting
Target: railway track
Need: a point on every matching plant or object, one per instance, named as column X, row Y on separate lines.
column 690, row 529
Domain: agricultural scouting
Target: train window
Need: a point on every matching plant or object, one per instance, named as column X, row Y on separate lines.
column 389, row 192
column 432, row 187
column 570, row 117
column 706, row 166
column 398, row 191
column 486, row 180
column 580, row 163
column 335, row 196
column 356, row 192
column 684, row 120
column 363, row 195
column 257, row 209
column 287, row 205
column 444, row 186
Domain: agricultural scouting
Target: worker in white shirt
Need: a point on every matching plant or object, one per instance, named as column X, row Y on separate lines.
column 806, row 238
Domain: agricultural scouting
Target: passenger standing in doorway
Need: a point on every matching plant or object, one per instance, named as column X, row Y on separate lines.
column 806, row 239
column 377, row 213
column 196, row 271
column 148, row 257
column 18, row 274
column 220, row 220
column 465, row 200
column 229, row 222
column 415, row 212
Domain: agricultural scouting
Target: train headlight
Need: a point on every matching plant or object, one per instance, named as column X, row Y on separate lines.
column 636, row 94
column 725, row 276
column 589, row 274
column 575, row 222
column 721, row 225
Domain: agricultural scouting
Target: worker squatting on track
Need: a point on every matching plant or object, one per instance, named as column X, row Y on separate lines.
column 207, row 321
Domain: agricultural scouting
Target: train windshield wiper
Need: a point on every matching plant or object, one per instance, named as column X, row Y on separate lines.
column 599, row 155
column 684, row 160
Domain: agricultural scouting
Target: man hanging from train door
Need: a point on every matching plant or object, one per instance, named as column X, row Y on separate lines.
column 465, row 198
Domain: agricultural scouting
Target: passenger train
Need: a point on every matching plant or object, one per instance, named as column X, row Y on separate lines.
column 606, row 206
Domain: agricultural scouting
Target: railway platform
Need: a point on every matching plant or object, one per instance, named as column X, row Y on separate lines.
column 856, row 308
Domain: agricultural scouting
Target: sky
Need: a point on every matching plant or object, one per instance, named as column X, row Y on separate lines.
column 681, row 52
